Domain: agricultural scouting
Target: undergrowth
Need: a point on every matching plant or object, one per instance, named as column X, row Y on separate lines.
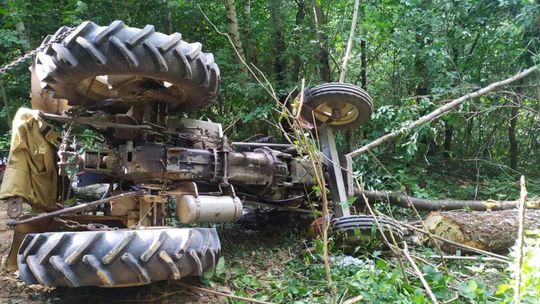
column 274, row 265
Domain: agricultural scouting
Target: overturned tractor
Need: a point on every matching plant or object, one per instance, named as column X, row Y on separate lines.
column 132, row 86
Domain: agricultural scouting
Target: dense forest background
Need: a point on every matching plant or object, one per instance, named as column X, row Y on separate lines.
column 410, row 55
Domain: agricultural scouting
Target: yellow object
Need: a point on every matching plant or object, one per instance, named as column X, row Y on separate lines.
column 31, row 172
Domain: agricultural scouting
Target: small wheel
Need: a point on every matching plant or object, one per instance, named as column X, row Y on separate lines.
column 355, row 230
column 338, row 105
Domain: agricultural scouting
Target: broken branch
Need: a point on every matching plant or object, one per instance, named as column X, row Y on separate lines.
column 442, row 110
column 419, row 274
column 405, row 201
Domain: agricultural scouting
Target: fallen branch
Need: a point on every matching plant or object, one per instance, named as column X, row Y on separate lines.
column 405, row 201
column 353, row 300
column 419, row 274
column 467, row 258
column 442, row 110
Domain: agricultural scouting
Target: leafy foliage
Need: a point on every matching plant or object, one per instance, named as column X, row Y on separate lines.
column 418, row 55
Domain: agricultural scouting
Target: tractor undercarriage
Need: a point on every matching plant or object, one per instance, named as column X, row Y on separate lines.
column 162, row 170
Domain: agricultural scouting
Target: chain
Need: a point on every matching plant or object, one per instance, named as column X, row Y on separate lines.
column 91, row 226
column 28, row 55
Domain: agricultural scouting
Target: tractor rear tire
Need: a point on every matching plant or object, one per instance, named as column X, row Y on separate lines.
column 179, row 73
column 117, row 258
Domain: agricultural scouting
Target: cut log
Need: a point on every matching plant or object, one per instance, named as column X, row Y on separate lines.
column 405, row 201
column 491, row 231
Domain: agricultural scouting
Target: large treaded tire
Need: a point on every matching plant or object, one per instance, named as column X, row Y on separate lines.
column 117, row 258
column 68, row 68
column 337, row 94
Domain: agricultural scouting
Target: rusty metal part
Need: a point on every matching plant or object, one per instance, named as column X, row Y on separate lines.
column 123, row 133
column 95, row 122
column 49, row 225
column 140, row 211
column 63, row 154
column 336, row 182
column 263, row 167
column 151, row 211
column 260, row 145
column 272, row 206
column 90, row 226
column 42, row 100
column 74, row 209
column 14, row 208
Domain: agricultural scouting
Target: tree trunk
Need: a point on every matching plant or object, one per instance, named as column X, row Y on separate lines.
column 246, row 30
column 324, row 55
column 344, row 66
column 278, row 45
column 491, row 231
column 297, row 61
column 234, row 33
column 513, row 149
column 405, row 201
column 448, row 133
column 6, row 102
column 23, row 37
column 363, row 60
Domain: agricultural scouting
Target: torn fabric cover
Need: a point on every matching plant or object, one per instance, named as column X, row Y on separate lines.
column 31, row 171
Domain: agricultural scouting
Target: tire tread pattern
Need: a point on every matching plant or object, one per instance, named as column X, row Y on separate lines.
column 117, row 258
column 92, row 50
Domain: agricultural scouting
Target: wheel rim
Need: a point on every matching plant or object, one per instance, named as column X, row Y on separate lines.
column 129, row 89
column 336, row 113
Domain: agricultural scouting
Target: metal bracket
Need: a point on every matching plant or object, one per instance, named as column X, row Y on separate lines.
column 336, row 183
column 14, row 209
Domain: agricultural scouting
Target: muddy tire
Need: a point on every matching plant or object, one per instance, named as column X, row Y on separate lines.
column 338, row 105
column 140, row 64
column 117, row 258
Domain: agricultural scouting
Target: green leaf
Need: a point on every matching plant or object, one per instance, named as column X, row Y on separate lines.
column 220, row 267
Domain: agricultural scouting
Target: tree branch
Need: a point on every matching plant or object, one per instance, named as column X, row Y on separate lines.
column 442, row 110
column 350, row 42
column 405, row 201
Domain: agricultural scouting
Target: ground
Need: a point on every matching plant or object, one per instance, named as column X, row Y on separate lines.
column 280, row 264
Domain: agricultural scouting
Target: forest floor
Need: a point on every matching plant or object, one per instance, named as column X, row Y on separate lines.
column 274, row 265
column 279, row 263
